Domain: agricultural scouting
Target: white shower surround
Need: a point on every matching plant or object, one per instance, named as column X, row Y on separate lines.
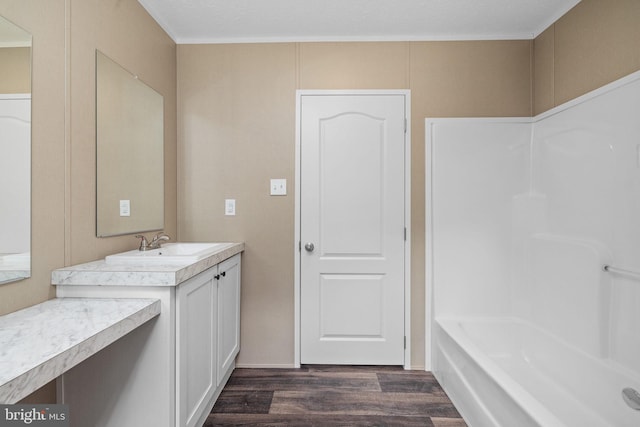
column 522, row 214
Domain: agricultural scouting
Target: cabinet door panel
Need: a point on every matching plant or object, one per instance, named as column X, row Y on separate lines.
column 228, row 314
column 196, row 344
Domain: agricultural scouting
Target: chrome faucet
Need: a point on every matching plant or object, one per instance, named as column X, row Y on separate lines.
column 155, row 243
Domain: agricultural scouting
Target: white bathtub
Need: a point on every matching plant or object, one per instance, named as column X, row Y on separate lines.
column 507, row 372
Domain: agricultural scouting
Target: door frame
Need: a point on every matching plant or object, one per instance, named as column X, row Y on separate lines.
column 407, row 214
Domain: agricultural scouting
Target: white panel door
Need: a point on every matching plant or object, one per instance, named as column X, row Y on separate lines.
column 352, row 150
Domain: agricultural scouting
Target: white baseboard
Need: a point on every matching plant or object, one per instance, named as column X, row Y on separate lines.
column 264, row 366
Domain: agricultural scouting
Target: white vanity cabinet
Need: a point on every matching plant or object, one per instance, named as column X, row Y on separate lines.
column 170, row 371
column 207, row 338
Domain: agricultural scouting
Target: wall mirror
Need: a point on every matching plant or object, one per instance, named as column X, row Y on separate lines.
column 129, row 152
column 15, row 152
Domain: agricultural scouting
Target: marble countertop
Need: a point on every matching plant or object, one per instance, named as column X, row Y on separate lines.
column 101, row 273
column 39, row 343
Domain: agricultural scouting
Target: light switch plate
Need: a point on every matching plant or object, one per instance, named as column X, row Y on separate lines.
column 230, row 206
column 278, row 187
column 125, row 208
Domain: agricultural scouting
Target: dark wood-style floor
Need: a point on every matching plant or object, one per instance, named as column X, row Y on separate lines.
column 333, row 396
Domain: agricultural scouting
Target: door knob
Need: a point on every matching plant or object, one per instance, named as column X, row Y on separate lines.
column 309, row 247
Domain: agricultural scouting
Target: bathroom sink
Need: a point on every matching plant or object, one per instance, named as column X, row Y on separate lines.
column 168, row 253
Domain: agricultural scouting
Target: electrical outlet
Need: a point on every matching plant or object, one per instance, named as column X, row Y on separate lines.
column 125, row 208
column 230, row 207
column 278, row 187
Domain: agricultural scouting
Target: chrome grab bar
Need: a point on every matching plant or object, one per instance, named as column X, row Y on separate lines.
column 612, row 269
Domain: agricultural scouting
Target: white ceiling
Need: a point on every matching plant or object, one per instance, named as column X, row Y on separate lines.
column 239, row 21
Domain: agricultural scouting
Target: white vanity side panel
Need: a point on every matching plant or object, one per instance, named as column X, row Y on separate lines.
column 131, row 382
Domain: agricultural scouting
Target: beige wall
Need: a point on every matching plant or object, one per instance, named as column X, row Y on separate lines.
column 236, row 109
column 595, row 43
column 16, row 70
column 45, row 21
column 123, row 31
column 63, row 129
